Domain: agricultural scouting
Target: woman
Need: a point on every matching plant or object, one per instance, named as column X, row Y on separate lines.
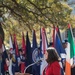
column 52, row 59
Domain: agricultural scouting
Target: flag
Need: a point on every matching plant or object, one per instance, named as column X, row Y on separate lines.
column 23, row 44
column 40, row 47
column 4, row 58
column 70, row 53
column 0, row 43
column 11, row 44
column 24, row 54
column 44, row 46
column 28, row 55
column 58, row 46
column 44, row 40
column 17, row 58
column 11, row 52
column 36, row 67
column 16, row 46
column 58, row 31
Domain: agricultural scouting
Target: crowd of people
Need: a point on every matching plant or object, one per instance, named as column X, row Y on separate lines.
column 9, row 67
column 51, row 57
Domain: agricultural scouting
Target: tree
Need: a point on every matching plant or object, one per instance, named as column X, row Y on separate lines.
column 40, row 12
column 21, row 15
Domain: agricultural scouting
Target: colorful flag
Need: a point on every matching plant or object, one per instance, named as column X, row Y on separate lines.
column 58, row 31
column 17, row 58
column 4, row 58
column 58, row 46
column 28, row 55
column 40, row 47
column 23, row 44
column 36, row 67
column 11, row 52
column 11, row 44
column 44, row 47
column 70, row 53
column 24, row 54
column 0, row 43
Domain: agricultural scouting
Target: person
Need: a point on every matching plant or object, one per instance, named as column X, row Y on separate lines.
column 52, row 58
column 64, row 43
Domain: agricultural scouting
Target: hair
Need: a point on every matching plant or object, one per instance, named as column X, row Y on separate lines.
column 52, row 55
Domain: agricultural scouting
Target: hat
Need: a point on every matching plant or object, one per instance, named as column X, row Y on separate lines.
column 66, row 40
column 63, row 41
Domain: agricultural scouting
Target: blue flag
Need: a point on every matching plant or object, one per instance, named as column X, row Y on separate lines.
column 58, row 45
column 59, row 48
column 17, row 59
column 36, row 67
column 28, row 55
column 4, row 66
column 40, row 47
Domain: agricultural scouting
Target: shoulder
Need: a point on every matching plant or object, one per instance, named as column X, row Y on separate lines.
column 56, row 63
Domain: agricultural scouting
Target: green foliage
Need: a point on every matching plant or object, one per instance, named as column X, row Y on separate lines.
column 25, row 15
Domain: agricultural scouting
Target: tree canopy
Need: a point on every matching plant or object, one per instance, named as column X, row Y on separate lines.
column 29, row 13
column 21, row 15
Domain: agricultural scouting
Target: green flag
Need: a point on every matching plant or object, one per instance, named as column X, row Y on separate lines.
column 71, row 41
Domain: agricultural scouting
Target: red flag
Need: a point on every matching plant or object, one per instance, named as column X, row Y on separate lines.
column 11, row 44
column 0, row 43
column 53, row 35
column 44, row 40
column 44, row 47
column 69, row 26
column 24, row 54
column 15, row 41
column 23, row 44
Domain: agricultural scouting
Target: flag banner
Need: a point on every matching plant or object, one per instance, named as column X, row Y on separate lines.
column 58, row 31
column 59, row 48
column 23, row 44
column 4, row 66
column 28, row 54
column 70, row 51
column 36, row 67
column 44, row 46
column 11, row 51
column 17, row 58
column 58, row 45
column 11, row 45
column 23, row 65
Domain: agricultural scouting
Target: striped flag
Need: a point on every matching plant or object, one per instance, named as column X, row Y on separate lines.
column 16, row 54
column 70, row 53
column 44, row 40
column 44, row 47
column 58, row 46
column 11, row 44
column 23, row 44
column 24, row 54
column 11, row 52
